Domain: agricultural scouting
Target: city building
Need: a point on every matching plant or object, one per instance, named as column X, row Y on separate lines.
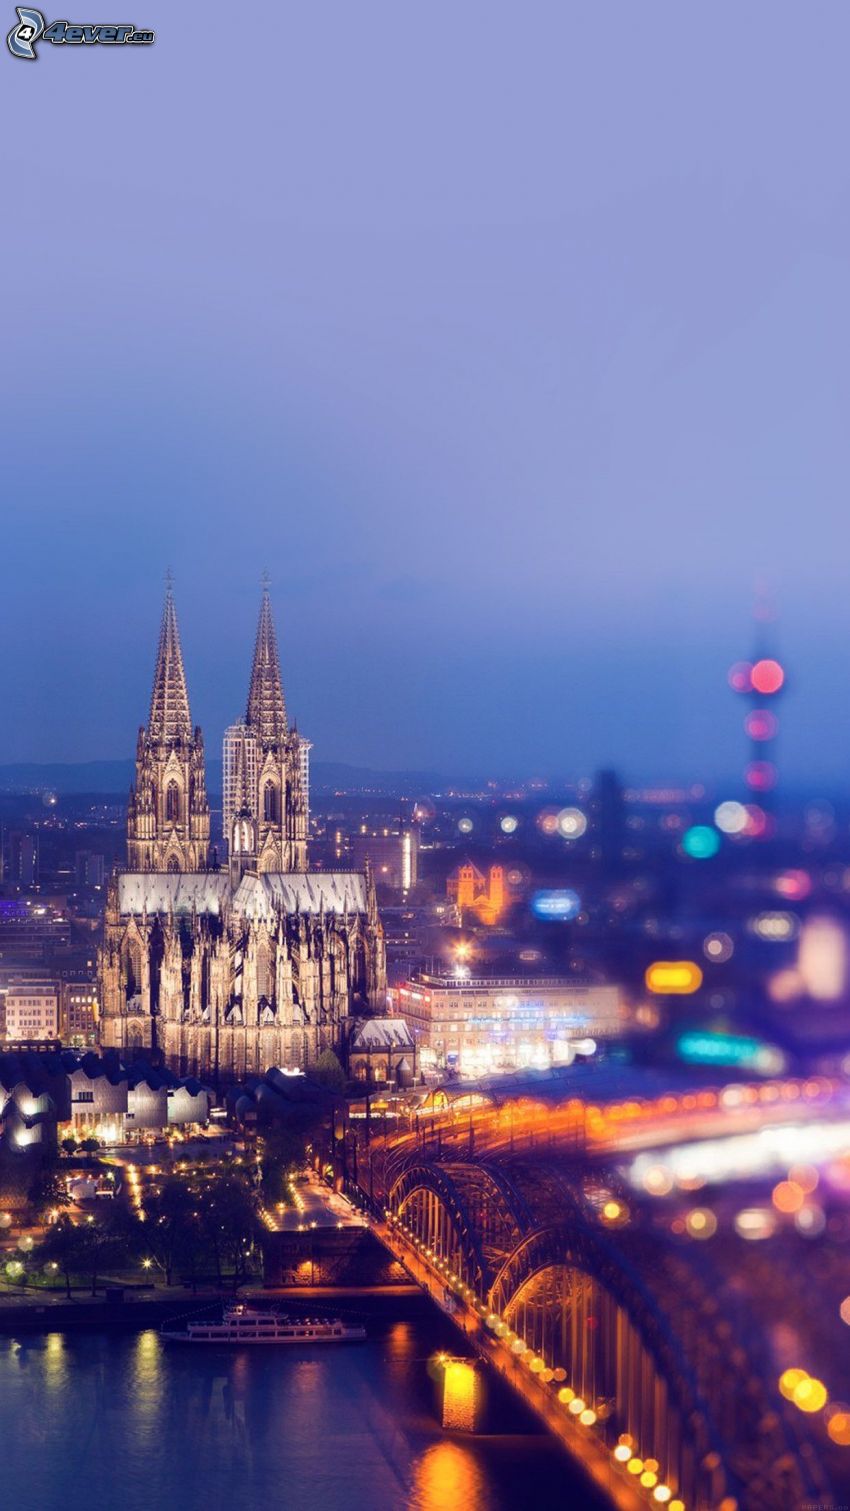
column 227, row 972
column 478, row 1025
column 382, row 1052
column 32, row 1010
column 32, row 929
column 78, row 1012
column 21, row 859
column 471, row 891
column 392, row 853
column 89, row 868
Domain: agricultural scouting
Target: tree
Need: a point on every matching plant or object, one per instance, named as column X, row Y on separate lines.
column 230, row 1222
column 104, row 1244
column 281, row 1156
column 168, row 1221
column 328, row 1071
column 64, row 1249
column 47, row 1191
column 69, row 1145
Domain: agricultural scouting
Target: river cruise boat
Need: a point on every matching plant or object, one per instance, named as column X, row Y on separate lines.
column 241, row 1323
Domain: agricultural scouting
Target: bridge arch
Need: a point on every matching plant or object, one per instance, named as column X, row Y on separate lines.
column 576, row 1311
column 430, row 1205
column 469, row 1216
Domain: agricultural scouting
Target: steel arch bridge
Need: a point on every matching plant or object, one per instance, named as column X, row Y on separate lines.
column 626, row 1334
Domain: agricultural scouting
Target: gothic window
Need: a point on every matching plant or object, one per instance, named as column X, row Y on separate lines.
column 264, row 971
column 173, row 863
column 133, row 969
column 172, row 803
column 270, row 806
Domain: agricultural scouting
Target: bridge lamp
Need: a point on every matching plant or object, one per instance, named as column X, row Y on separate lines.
column 635, row 1466
column 577, row 1406
column 662, row 1493
column 622, row 1453
column 588, row 1416
column 649, row 1478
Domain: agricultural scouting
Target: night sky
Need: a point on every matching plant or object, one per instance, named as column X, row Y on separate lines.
column 513, row 341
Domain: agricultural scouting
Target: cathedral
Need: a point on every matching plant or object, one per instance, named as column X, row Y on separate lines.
column 227, row 967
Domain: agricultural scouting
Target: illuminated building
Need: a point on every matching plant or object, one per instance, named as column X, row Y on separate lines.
column 78, row 1011
column 468, row 889
column 264, row 963
column 264, row 768
column 32, row 929
column 392, row 853
column 476, row 1025
column 52, row 1092
column 382, row 1052
column 32, row 1010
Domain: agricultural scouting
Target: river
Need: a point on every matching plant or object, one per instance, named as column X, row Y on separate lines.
column 122, row 1421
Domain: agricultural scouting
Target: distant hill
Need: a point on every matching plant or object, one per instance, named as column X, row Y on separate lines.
column 116, row 776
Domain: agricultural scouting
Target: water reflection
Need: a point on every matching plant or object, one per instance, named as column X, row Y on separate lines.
column 447, row 1477
column 55, row 1362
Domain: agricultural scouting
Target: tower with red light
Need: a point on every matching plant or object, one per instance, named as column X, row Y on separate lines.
column 760, row 682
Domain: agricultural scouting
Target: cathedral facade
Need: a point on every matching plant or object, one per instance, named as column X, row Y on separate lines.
column 226, row 969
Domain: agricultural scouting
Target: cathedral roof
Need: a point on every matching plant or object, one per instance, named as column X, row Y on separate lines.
column 301, row 892
column 382, row 1033
column 172, row 892
column 266, row 708
column 170, row 720
column 265, row 896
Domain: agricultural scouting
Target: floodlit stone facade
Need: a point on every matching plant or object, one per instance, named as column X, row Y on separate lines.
column 227, row 971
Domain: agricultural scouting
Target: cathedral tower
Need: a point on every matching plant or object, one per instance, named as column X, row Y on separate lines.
column 168, row 817
column 266, row 762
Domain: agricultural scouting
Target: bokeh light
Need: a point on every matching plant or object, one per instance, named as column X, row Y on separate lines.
column 718, row 948
column 761, row 776
column 761, row 724
column 741, row 677
column 767, row 677
column 572, row 823
column 731, row 817
column 509, row 824
column 673, row 978
column 556, row 904
column 701, row 842
column 701, row 1223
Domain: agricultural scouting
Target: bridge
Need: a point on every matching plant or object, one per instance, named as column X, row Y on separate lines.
column 654, row 1357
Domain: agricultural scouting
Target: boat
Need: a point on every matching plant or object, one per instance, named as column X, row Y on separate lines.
column 241, row 1323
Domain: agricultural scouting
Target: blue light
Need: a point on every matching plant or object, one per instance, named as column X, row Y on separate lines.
column 556, row 906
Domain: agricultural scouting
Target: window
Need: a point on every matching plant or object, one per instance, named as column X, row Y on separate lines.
column 172, row 803
column 270, row 803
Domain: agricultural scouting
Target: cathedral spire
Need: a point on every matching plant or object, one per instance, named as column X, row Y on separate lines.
column 170, row 721
column 266, row 708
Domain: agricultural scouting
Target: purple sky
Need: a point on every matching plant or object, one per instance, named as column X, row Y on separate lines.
column 513, row 341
